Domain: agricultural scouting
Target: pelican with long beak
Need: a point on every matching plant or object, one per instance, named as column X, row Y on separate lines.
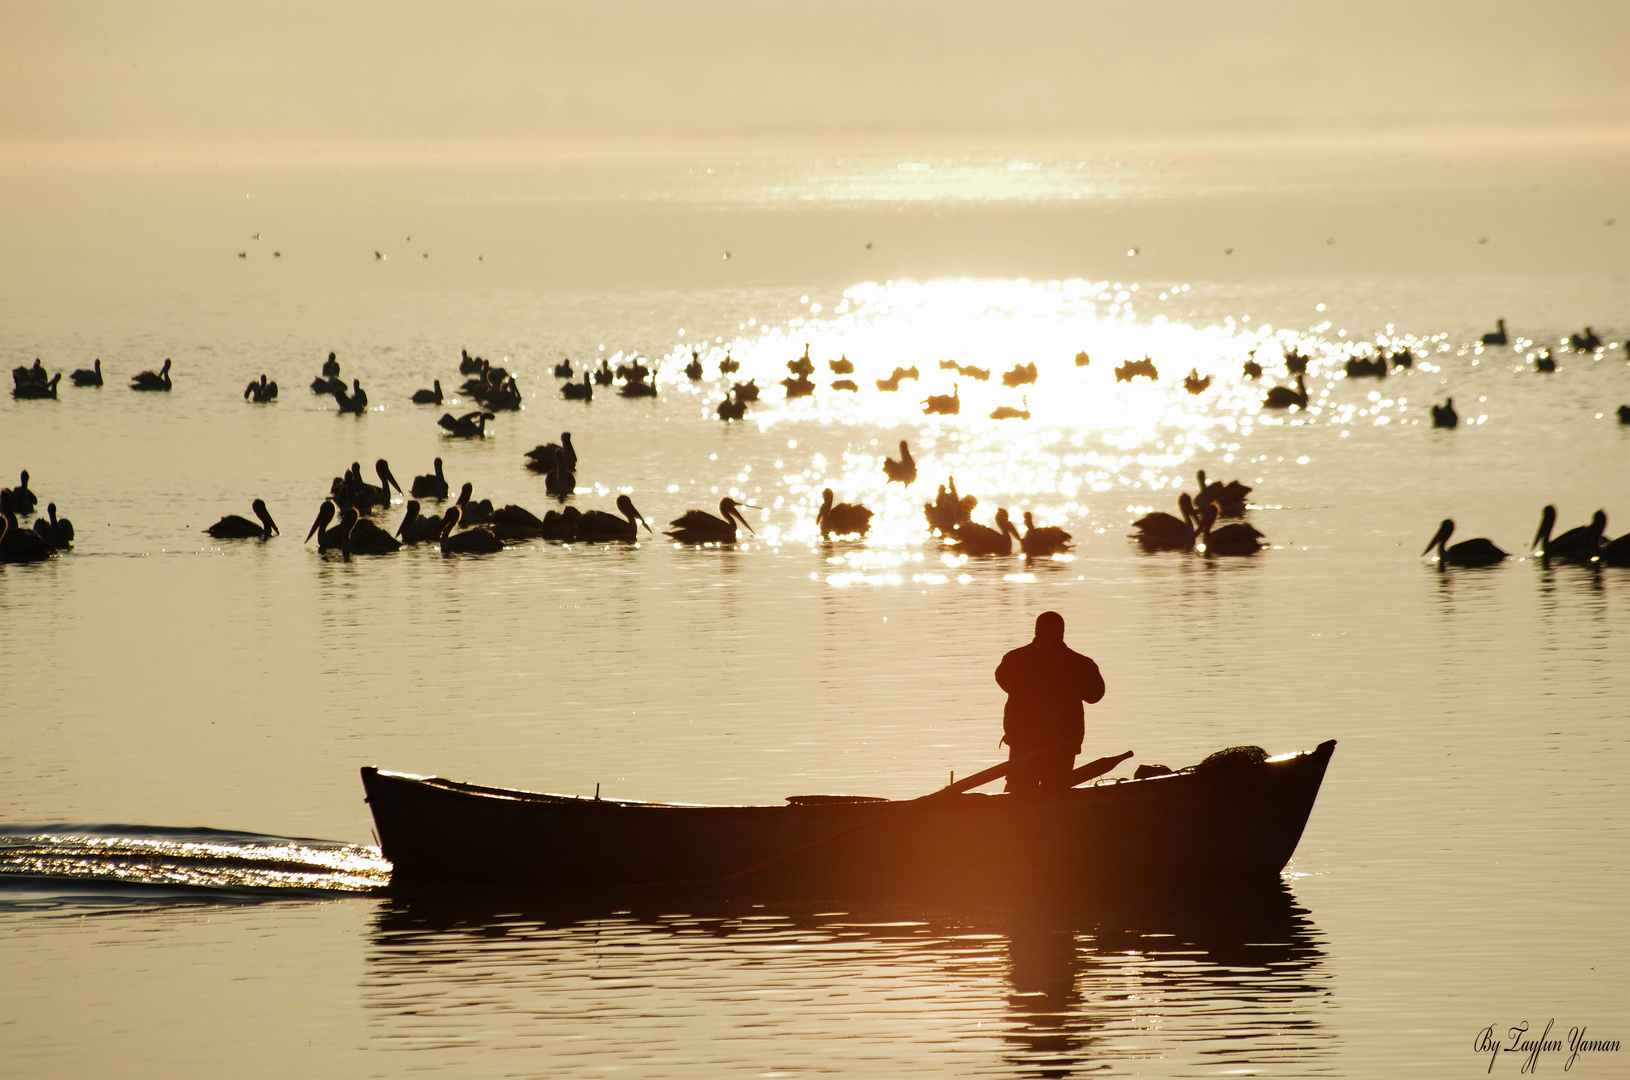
column 701, row 527
column 1478, row 552
column 1162, row 530
column 845, row 519
column 327, row 539
column 1580, row 543
column 234, row 527
column 597, row 526
column 366, row 496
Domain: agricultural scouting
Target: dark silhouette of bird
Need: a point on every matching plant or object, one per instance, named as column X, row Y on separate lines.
column 1193, row 383
column 152, row 380
column 18, row 544
column 603, row 375
column 731, row 410
column 417, row 529
column 1252, row 369
column 563, row 370
column 472, row 541
column 1161, row 530
column 747, row 391
column 1021, row 375
column 973, row 538
column 58, row 532
column 359, row 536
column 1008, row 412
column 1580, row 543
column 693, row 370
column 583, row 391
column 701, row 527
column 1045, row 540
column 799, row 386
column 35, row 391
column 1229, row 498
column 1545, row 361
column 1296, row 361
column 1236, row 539
column 23, row 500
column 428, row 397
column 846, row 384
column 1283, row 397
column 1131, row 369
column 88, row 377
column 904, row 470
column 234, row 527
column 803, row 365
column 597, row 526
column 844, row 519
column 260, row 391
column 728, row 366
column 1498, row 336
column 472, row 425
column 431, row 485
column 1444, row 416
column 1479, row 552
column 841, row 366
column 331, row 366
column 944, row 404
column 355, row 403
column 949, row 510
column 1586, row 342
column 1082, row 359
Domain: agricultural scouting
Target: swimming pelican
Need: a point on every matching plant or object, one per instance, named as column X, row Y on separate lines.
column 1162, row 530
column 366, row 496
column 260, row 392
column 1498, row 337
column 1283, row 397
column 799, row 387
column 973, row 538
column 1047, row 540
column 803, row 365
column 562, row 525
column 1020, row 375
column 327, row 539
column 727, row 366
column 331, row 366
column 1236, row 539
column 1579, row 543
column 1252, row 369
column 472, row 425
column 639, row 387
column 233, row 527
column 1444, row 415
column 23, row 501
column 473, row 541
column 731, row 410
column 32, row 390
column 944, row 404
column 846, row 384
column 324, row 384
column 603, row 374
column 1193, row 383
column 1296, row 361
column 1616, row 552
column 949, row 510
column 58, row 532
column 843, row 366
column 747, row 391
column 597, row 525
column 428, row 397
column 430, row 486
column 563, row 370
column 583, row 391
column 356, row 403
column 1479, row 552
column 416, row 529
column 904, row 470
column 701, row 527
column 35, row 374
column 18, row 544
column 547, row 456
column 1008, row 412
column 1586, row 342
column 1229, row 498
column 149, row 380
column 693, row 370
column 467, row 365
column 1544, row 361
column 514, row 523
column 845, row 519
column 89, row 377
column 359, row 536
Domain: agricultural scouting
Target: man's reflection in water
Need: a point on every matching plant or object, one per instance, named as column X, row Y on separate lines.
column 1225, row 981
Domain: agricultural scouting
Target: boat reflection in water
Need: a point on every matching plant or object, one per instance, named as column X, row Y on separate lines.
column 1017, row 981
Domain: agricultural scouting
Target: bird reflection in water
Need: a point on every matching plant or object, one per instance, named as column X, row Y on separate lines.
column 1066, row 986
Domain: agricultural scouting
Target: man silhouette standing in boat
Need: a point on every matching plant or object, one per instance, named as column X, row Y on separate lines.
column 1046, row 682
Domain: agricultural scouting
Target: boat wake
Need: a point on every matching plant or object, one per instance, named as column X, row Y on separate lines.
column 43, row 866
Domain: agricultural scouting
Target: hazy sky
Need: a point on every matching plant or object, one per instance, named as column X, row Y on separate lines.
column 293, row 71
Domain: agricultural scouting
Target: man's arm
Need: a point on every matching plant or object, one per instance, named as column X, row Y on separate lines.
column 1089, row 682
column 1008, row 676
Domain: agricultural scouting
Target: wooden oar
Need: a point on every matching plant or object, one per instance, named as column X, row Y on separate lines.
column 978, row 779
column 1094, row 769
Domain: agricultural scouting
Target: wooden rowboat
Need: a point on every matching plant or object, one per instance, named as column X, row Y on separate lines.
column 1232, row 820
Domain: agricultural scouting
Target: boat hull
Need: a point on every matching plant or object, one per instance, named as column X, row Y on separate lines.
column 1236, row 821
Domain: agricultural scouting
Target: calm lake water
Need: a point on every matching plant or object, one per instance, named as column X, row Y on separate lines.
column 178, row 709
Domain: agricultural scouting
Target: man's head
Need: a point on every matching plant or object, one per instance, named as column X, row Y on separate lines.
column 1050, row 626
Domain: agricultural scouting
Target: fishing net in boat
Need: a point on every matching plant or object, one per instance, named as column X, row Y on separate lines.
column 1233, row 758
